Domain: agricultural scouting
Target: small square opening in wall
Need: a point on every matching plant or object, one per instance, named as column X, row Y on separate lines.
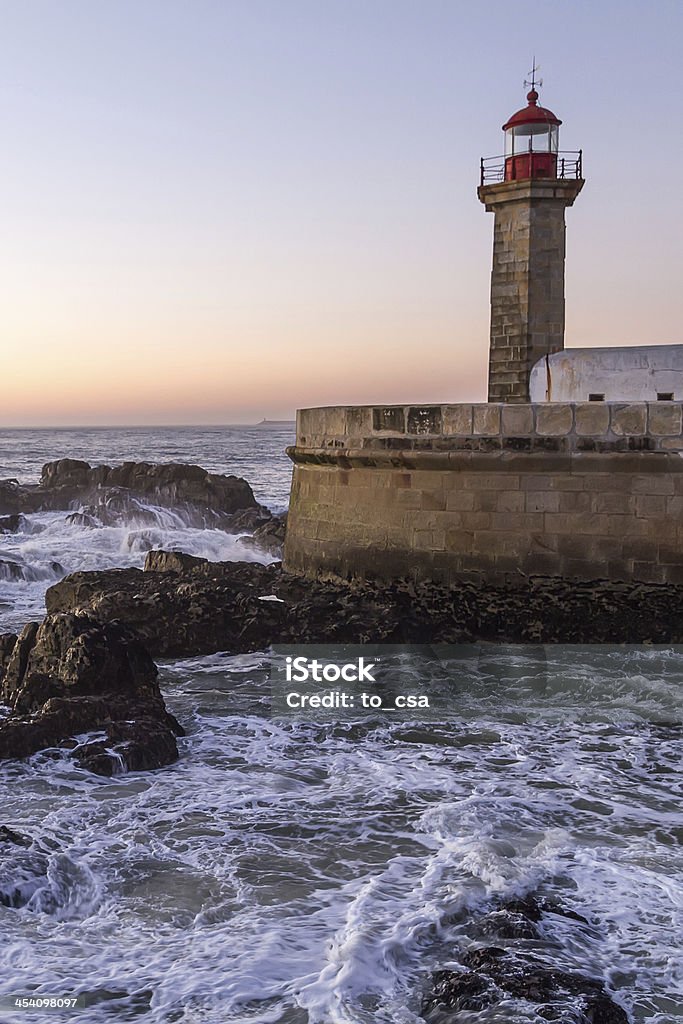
column 665, row 396
column 596, row 396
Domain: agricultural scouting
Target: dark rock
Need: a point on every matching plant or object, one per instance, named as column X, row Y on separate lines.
column 10, row 570
column 8, row 835
column 11, row 497
column 83, row 519
column 269, row 537
column 250, row 519
column 506, row 924
column 72, row 675
column 171, row 561
column 11, row 524
column 110, row 494
column 65, row 473
column 172, row 483
column 15, row 668
column 493, row 975
column 193, row 606
column 7, row 645
column 456, row 992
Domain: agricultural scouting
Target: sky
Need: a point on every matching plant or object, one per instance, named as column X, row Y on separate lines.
column 214, row 212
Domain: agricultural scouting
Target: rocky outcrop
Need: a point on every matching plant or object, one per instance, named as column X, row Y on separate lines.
column 12, row 496
column 104, row 495
column 269, row 537
column 183, row 606
column 73, row 675
column 519, row 969
column 11, row 524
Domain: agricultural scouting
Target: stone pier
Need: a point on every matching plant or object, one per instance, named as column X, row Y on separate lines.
column 580, row 491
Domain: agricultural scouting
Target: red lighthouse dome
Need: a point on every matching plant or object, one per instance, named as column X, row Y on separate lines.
column 531, row 141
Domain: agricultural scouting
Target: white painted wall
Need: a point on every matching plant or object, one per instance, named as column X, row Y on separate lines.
column 621, row 374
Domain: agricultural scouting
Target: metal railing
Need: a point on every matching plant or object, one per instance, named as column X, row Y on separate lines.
column 569, row 165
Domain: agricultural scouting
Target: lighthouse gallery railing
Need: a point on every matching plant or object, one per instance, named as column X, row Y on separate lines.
column 569, row 165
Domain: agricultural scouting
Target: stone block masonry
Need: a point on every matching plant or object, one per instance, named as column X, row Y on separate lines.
column 580, row 491
column 527, row 279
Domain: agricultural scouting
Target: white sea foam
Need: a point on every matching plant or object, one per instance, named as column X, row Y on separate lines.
column 48, row 546
column 301, row 873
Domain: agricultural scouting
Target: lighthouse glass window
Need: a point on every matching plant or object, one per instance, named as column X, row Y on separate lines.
column 539, row 138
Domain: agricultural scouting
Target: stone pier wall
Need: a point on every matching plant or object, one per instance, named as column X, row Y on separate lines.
column 581, row 491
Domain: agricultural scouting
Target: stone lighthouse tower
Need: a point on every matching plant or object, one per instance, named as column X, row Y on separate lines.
column 527, row 190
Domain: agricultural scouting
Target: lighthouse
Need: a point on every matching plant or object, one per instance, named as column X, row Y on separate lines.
column 527, row 189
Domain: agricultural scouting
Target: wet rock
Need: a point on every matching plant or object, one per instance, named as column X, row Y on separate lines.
column 456, row 992
column 83, row 519
column 109, row 493
column 11, row 497
column 174, row 483
column 7, row 645
column 171, row 561
column 10, row 570
column 182, row 606
column 269, row 537
column 11, row 524
column 72, row 675
column 250, row 519
column 507, row 924
column 203, row 607
column 23, row 869
column 493, row 975
column 8, row 835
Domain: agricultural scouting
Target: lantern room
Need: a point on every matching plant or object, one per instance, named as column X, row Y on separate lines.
column 531, row 142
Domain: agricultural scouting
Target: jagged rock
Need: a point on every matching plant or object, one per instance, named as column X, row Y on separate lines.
column 111, row 491
column 492, row 975
column 183, row 606
column 269, row 537
column 10, row 570
column 250, row 519
column 11, row 497
column 7, row 645
column 84, row 519
column 72, row 674
column 171, row 561
column 11, row 524
column 8, row 835
column 174, row 483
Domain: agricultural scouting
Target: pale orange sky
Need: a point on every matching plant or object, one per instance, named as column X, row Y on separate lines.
column 214, row 219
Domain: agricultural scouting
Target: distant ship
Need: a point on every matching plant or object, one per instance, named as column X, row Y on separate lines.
column 277, row 423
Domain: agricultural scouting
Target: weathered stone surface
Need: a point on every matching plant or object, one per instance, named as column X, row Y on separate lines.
column 592, row 418
column 665, row 418
column 486, row 419
column 518, row 419
column 457, row 419
column 527, row 279
column 629, row 419
column 554, row 419
column 216, row 606
column 73, row 674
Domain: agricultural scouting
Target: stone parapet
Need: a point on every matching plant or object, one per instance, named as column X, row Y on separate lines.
column 580, row 491
column 488, row 427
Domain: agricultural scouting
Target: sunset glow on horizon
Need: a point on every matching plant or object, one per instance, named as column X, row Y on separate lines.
column 219, row 212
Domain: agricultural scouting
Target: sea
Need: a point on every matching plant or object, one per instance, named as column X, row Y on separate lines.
column 314, row 871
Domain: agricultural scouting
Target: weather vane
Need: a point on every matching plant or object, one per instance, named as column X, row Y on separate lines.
column 532, row 81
